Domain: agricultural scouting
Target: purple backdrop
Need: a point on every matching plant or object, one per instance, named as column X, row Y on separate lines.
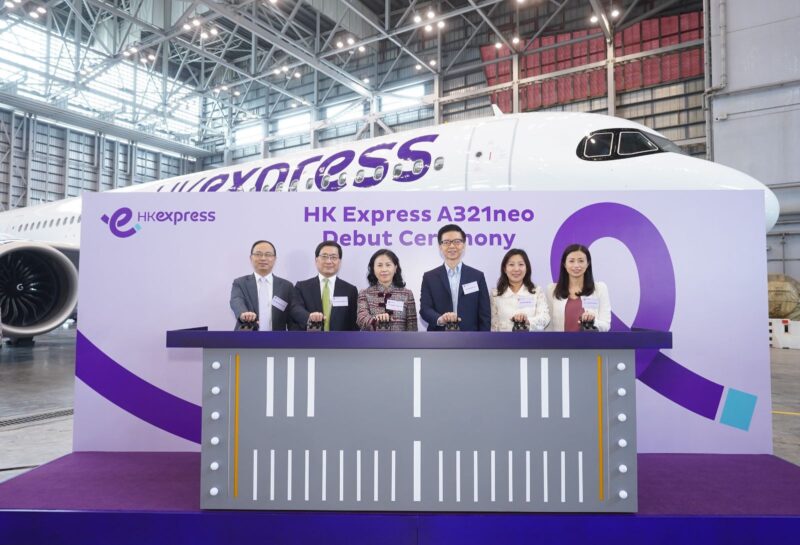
column 691, row 262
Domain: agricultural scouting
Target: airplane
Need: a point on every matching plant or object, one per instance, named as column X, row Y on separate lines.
column 39, row 244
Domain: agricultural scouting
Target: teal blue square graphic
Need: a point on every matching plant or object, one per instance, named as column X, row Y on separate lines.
column 738, row 409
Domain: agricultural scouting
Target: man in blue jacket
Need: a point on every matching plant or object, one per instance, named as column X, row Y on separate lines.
column 455, row 292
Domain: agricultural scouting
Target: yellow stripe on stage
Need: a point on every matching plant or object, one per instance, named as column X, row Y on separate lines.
column 600, row 425
column 236, row 431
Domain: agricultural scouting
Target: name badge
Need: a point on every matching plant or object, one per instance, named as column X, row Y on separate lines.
column 340, row 301
column 472, row 287
column 590, row 303
column 395, row 305
column 279, row 303
column 526, row 302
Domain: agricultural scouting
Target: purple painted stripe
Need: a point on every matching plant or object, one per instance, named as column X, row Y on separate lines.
column 135, row 395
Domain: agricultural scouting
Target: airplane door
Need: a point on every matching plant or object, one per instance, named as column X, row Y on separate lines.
column 489, row 162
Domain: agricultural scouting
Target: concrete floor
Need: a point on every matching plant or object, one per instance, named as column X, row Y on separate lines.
column 38, row 382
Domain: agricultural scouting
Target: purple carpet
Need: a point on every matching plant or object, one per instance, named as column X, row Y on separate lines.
column 669, row 484
column 97, row 498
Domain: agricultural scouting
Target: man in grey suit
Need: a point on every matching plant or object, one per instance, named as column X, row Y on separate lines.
column 262, row 297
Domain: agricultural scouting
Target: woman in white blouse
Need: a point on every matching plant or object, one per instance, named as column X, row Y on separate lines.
column 577, row 298
column 516, row 298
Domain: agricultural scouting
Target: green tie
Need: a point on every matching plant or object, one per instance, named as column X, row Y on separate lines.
column 326, row 304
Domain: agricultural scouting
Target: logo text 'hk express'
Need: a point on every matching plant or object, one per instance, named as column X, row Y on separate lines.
column 120, row 219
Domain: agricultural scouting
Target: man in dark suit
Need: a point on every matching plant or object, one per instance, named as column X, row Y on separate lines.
column 325, row 297
column 455, row 292
column 262, row 297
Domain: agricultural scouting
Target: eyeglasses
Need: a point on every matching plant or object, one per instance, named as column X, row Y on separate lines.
column 259, row 255
column 328, row 257
column 455, row 242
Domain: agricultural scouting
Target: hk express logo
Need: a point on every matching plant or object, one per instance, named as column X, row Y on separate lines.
column 118, row 220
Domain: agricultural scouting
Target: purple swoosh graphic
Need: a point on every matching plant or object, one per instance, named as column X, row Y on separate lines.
column 135, row 395
column 657, row 299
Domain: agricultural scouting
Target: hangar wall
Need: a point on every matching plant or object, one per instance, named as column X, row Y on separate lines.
column 754, row 102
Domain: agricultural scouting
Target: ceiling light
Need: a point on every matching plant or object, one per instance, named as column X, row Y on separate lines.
column 339, row 44
column 9, row 5
column 151, row 57
column 432, row 62
column 284, row 68
column 593, row 18
column 440, row 24
column 236, row 93
column 515, row 40
column 431, row 14
column 418, row 67
column 273, row 1
column 216, row 90
column 277, row 71
column 41, row 10
column 350, row 41
column 224, row 87
column 428, row 28
column 293, row 104
column 417, row 18
column 615, row 13
column 187, row 26
column 17, row 1
column 520, row 1
column 34, row 15
column 214, row 31
column 143, row 60
column 203, row 35
column 133, row 50
column 126, row 53
column 196, row 22
column 361, row 48
column 297, row 75
column 498, row 45
column 365, row 80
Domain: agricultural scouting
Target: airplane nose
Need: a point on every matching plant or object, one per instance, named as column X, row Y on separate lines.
column 772, row 208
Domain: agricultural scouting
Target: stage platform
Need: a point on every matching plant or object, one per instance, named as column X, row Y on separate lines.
column 146, row 498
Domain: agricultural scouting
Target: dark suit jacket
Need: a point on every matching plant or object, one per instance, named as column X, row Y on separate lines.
column 308, row 299
column 244, row 298
column 473, row 308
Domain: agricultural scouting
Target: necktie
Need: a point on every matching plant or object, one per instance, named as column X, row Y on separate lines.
column 326, row 303
column 451, row 273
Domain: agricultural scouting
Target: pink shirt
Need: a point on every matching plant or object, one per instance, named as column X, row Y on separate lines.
column 572, row 314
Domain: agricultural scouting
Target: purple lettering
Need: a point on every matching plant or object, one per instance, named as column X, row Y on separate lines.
column 332, row 166
column 298, row 172
column 283, row 170
column 366, row 161
column 406, row 153
column 218, row 181
column 239, row 179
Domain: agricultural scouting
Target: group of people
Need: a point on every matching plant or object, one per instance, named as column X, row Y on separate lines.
column 453, row 295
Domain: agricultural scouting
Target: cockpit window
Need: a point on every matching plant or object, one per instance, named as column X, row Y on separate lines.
column 611, row 144
column 666, row 145
column 634, row 143
column 598, row 145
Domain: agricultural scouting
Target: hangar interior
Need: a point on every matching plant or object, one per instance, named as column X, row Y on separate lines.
column 103, row 94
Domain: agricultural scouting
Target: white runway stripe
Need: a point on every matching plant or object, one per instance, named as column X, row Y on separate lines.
column 394, row 467
column 492, row 476
column 441, row 476
column 458, row 476
column 545, row 388
column 417, row 387
column 475, row 476
column 290, row 387
column 565, row 387
column 417, row 471
column 270, row 386
column 289, row 475
column 510, row 476
column 311, row 386
column 580, row 476
column 341, row 475
column 527, row 476
column 544, row 477
column 324, row 492
column 523, row 387
column 255, row 474
column 272, row 475
column 563, row 477
column 305, row 486
column 358, row 475
column 375, row 474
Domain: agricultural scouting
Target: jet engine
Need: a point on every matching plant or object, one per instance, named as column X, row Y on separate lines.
column 38, row 288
